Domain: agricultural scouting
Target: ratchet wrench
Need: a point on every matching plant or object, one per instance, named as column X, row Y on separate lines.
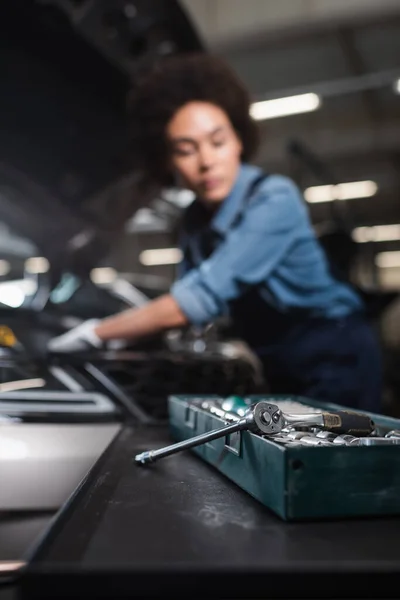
column 267, row 419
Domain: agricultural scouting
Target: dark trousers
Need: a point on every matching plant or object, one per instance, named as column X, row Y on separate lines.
column 330, row 360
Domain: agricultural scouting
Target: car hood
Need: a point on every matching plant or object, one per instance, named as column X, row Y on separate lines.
column 66, row 179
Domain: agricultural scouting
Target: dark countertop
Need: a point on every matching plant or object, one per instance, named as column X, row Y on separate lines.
column 19, row 530
column 18, row 533
column 8, row 593
column 179, row 527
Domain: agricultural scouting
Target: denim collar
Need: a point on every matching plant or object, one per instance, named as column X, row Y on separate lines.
column 233, row 204
column 197, row 216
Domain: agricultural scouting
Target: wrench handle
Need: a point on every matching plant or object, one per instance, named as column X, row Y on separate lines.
column 346, row 421
column 151, row 456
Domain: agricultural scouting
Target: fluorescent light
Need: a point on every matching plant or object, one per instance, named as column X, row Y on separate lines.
column 37, row 264
column 320, row 193
column 387, row 260
column 397, row 86
column 341, row 191
column 282, row 107
column 5, row 267
column 23, row 384
column 161, row 256
column 377, row 233
column 103, row 275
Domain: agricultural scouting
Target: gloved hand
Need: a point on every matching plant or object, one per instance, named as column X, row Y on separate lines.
column 78, row 339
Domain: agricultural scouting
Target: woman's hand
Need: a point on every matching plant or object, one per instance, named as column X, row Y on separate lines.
column 78, row 339
column 156, row 316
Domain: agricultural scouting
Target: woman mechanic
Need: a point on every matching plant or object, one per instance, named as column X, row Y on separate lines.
column 249, row 248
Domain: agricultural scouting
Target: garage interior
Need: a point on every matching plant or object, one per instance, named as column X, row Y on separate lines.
column 79, row 239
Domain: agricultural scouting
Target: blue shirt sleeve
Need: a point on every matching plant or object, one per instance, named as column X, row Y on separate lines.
column 249, row 253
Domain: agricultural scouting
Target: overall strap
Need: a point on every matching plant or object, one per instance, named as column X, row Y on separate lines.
column 210, row 238
column 253, row 187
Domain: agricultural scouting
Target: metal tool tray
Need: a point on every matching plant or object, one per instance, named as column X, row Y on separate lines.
column 298, row 482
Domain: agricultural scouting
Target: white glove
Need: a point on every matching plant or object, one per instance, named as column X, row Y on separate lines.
column 83, row 337
column 78, row 339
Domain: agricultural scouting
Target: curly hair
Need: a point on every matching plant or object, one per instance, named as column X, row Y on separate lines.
column 174, row 82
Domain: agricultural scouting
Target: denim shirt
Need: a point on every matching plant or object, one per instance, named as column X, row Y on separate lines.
column 273, row 249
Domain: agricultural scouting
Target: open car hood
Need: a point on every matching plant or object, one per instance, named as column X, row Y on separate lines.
column 66, row 180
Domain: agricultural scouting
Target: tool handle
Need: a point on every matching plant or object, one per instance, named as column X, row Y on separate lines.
column 151, row 456
column 344, row 421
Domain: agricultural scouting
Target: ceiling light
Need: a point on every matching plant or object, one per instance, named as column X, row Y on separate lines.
column 161, row 256
column 103, row 275
column 341, row 191
column 37, row 264
column 5, row 267
column 283, row 107
column 397, row 86
column 387, row 260
column 377, row 233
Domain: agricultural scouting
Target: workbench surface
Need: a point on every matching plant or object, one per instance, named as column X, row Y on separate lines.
column 179, row 527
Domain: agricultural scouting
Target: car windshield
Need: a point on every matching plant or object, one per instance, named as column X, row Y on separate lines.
column 25, row 281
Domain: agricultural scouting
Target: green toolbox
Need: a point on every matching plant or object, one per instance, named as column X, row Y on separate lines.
column 301, row 473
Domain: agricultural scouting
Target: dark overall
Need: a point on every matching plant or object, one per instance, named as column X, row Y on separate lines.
column 333, row 360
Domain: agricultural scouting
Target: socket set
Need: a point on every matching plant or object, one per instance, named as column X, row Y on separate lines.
column 232, row 408
column 267, row 419
column 302, row 459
